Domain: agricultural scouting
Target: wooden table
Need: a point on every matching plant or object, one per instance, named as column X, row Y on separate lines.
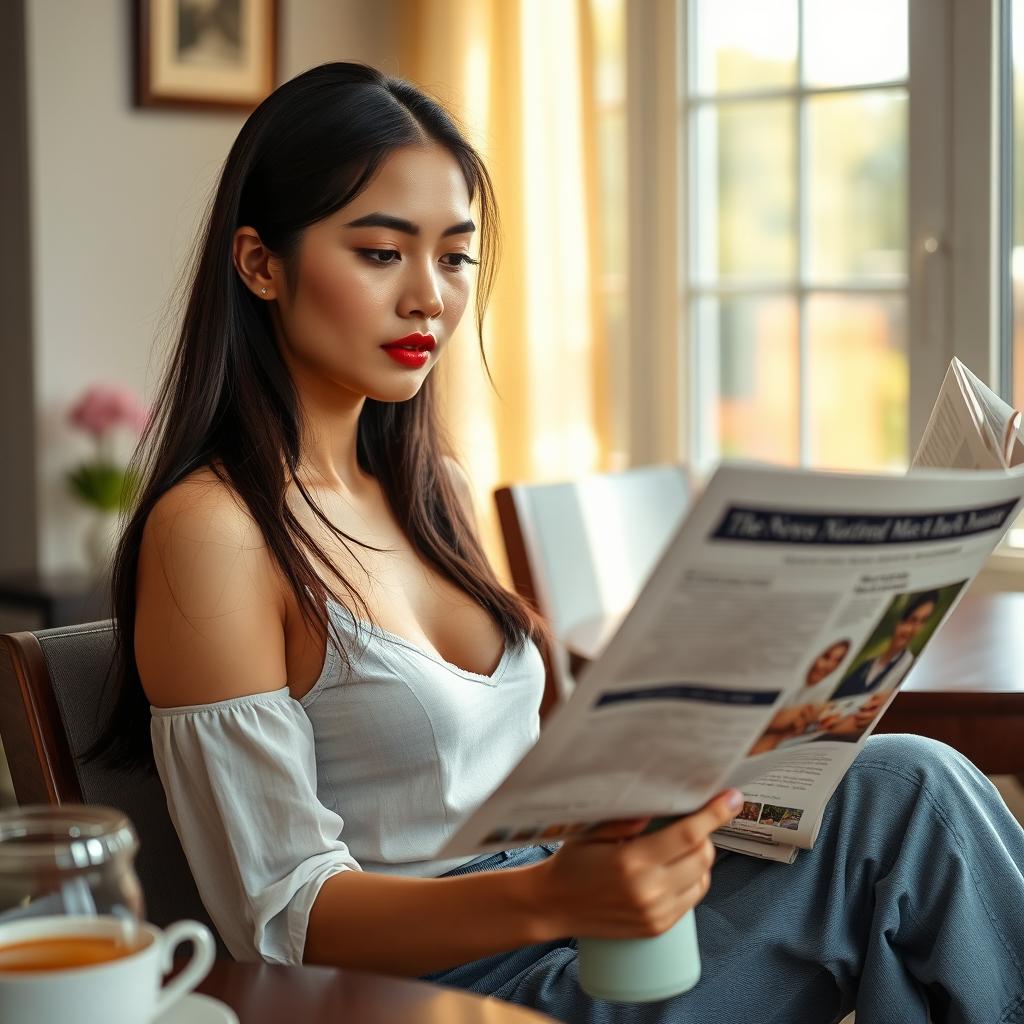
column 967, row 689
column 270, row 994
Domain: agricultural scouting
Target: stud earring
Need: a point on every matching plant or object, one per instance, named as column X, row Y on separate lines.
column 263, row 291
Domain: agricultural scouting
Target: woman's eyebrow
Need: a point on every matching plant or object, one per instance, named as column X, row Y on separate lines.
column 385, row 220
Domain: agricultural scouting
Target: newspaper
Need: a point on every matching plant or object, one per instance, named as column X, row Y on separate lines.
column 970, row 427
column 768, row 641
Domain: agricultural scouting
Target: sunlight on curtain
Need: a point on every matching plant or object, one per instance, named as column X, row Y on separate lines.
column 558, row 330
column 517, row 73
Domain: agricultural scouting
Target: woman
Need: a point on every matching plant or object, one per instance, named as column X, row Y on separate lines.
column 310, row 630
column 792, row 721
column 827, row 662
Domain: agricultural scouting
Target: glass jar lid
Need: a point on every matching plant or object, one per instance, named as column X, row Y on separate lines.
column 68, row 837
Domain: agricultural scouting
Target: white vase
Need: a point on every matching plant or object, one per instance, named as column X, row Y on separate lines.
column 101, row 538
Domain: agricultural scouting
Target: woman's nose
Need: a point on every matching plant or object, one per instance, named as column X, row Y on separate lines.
column 422, row 297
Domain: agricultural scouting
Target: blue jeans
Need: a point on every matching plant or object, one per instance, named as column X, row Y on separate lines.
column 911, row 901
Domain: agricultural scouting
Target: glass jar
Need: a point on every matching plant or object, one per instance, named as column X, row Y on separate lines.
column 69, row 861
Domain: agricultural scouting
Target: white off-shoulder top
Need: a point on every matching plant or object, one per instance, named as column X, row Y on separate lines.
column 393, row 753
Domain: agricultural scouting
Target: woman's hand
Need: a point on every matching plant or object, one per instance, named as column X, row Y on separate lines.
column 614, row 883
column 784, row 720
column 792, row 721
column 869, row 709
column 786, row 724
column 854, row 724
column 805, row 715
column 832, row 721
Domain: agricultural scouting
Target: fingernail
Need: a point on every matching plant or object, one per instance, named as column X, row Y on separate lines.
column 734, row 800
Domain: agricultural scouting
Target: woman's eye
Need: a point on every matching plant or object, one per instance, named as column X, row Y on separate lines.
column 385, row 257
column 459, row 260
column 382, row 257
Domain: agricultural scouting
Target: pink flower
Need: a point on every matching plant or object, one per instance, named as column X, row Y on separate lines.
column 104, row 407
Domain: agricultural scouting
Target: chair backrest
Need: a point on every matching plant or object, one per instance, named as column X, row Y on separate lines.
column 582, row 549
column 54, row 698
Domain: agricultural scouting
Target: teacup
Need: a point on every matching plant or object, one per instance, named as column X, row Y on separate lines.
column 56, row 969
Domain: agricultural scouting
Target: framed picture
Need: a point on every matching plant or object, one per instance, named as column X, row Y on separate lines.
column 213, row 54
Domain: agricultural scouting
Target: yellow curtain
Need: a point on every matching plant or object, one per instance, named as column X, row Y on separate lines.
column 518, row 74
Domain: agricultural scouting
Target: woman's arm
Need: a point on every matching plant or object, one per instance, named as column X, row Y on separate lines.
column 614, row 884
column 210, row 628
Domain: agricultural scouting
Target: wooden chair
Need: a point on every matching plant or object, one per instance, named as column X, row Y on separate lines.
column 552, row 532
column 54, row 693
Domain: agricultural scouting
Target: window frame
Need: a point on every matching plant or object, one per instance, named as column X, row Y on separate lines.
column 953, row 284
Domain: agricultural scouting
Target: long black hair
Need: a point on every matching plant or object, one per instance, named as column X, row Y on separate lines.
column 227, row 402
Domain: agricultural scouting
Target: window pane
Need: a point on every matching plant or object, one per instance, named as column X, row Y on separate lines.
column 857, row 160
column 858, row 382
column 743, row 44
column 748, row 357
column 849, row 43
column 745, row 191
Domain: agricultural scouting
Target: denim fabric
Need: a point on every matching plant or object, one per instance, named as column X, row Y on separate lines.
column 912, row 899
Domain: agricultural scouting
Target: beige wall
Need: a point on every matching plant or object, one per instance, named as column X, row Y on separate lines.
column 115, row 196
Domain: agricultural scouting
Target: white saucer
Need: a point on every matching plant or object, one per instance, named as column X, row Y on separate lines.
column 198, row 1009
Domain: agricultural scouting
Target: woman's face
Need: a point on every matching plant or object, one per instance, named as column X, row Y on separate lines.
column 391, row 266
column 827, row 662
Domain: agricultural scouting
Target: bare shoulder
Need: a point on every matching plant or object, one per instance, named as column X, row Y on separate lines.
column 200, row 533
column 202, row 512
column 209, row 603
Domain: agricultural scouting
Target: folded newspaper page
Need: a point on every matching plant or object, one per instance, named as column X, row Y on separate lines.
column 970, row 427
column 769, row 640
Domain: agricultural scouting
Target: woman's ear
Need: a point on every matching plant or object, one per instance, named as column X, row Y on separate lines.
column 256, row 265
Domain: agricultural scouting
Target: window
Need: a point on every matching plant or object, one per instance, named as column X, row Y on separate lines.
column 812, row 225
column 796, row 298
column 1013, row 169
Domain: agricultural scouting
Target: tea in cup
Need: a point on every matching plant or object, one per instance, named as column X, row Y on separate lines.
column 95, row 970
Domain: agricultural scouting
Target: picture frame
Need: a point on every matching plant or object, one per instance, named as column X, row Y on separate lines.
column 205, row 54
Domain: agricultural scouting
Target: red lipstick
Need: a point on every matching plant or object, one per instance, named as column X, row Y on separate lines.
column 412, row 351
